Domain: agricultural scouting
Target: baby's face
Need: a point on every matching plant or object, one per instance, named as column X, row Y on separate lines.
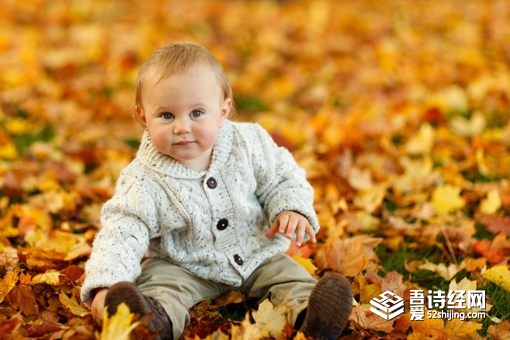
column 183, row 114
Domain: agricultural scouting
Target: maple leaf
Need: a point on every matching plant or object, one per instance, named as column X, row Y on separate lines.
column 349, row 256
column 271, row 320
column 119, row 325
column 462, row 329
column 73, row 305
column 446, row 199
column 305, row 263
column 7, row 283
column 422, row 142
column 500, row 331
column 51, row 277
column 9, row 326
column 23, row 298
column 491, row 203
column 500, row 275
column 393, row 282
column 421, row 329
column 365, row 319
column 446, row 271
column 497, row 224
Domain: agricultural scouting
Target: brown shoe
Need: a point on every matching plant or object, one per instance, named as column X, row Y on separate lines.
column 329, row 307
column 141, row 305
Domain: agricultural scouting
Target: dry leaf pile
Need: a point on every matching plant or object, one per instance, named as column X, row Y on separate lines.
column 398, row 110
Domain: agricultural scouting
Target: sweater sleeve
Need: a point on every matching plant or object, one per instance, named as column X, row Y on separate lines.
column 123, row 239
column 281, row 183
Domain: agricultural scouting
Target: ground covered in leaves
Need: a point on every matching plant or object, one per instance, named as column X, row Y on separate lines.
column 398, row 110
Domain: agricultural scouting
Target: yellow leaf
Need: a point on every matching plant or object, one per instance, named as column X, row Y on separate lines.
column 51, row 277
column 7, row 283
column 458, row 329
column 447, row 272
column 464, row 284
column 271, row 320
column 446, row 199
column 17, row 126
column 499, row 275
column 305, row 263
column 422, row 142
column 119, row 325
column 371, row 199
column 491, row 203
column 360, row 179
column 8, row 151
column 73, row 305
column 468, row 128
column 38, row 215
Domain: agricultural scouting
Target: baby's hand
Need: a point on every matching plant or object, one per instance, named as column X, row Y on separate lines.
column 288, row 222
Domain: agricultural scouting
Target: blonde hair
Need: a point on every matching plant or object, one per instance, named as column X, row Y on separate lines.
column 176, row 58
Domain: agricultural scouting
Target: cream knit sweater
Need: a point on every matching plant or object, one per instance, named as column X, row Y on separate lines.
column 210, row 222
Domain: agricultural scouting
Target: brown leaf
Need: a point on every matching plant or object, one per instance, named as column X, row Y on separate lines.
column 500, row 331
column 23, row 298
column 496, row 224
column 9, row 326
column 393, row 282
column 363, row 318
column 349, row 256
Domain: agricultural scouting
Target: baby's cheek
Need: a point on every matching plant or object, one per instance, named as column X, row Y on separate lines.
column 161, row 141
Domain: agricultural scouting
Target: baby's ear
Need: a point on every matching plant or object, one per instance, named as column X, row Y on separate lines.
column 139, row 115
column 226, row 107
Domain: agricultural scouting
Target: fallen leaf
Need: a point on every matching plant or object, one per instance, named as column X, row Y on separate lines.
column 446, row 271
column 500, row 331
column 349, row 256
column 7, row 283
column 119, row 325
column 421, row 329
column 462, row 329
column 72, row 305
column 491, row 204
column 446, row 199
column 363, row 318
column 305, row 263
column 271, row 320
column 499, row 275
column 51, row 277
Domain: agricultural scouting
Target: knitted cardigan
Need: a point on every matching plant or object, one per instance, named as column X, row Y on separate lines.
column 210, row 222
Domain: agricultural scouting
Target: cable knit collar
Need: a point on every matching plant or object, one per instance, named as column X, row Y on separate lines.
column 153, row 159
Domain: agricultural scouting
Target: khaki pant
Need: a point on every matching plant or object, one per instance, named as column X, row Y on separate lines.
column 280, row 279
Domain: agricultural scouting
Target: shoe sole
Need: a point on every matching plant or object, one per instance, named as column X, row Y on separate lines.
column 329, row 307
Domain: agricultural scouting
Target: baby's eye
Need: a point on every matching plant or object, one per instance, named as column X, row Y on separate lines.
column 166, row 115
column 196, row 113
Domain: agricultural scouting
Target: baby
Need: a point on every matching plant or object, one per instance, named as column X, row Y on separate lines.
column 207, row 205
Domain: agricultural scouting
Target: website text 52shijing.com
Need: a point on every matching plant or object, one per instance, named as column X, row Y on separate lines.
column 450, row 315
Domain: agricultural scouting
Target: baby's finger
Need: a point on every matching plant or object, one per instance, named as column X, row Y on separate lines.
column 300, row 235
column 283, row 220
column 311, row 233
column 273, row 230
column 292, row 225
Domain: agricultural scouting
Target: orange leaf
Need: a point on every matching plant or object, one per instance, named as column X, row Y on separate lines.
column 349, row 256
column 23, row 297
column 365, row 319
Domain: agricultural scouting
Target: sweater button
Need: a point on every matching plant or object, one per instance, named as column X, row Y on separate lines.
column 222, row 224
column 238, row 259
column 211, row 183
